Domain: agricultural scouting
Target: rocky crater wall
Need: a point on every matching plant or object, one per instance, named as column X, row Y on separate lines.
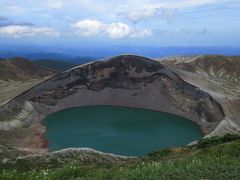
column 127, row 80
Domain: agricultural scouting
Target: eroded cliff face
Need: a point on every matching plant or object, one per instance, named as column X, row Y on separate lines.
column 123, row 81
column 220, row 77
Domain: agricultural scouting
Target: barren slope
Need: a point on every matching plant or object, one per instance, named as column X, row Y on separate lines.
column 18, row 75
column 220, row 77
column 20, row 69
column 224, row 67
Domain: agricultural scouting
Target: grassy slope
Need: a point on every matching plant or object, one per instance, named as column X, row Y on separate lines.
column 59, row 66
column 62, row 65
column 216, row 158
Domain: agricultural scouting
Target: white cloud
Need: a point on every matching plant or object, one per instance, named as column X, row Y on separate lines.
column 177, row 4
column 17, row 31
column 182, row 31
column 17, row 9
column 54, row 4
column 141, row 14
column 118, row 30
column 161, row 9
column 141, row 33
column 114, row 30
column 168, row 14
column 192, row 3
column 190, row 31
column 144, row 14
column 88, row 27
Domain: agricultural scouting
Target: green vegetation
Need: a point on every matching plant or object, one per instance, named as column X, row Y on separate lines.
column 215, row 158
column 206, row 142
column 56, row 65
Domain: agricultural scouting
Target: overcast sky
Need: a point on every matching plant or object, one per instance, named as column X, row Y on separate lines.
column 121, row 22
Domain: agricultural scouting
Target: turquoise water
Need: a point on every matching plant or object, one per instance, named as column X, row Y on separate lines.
column 118, row 130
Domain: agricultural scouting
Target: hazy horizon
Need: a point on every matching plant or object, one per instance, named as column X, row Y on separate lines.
column 33, row 52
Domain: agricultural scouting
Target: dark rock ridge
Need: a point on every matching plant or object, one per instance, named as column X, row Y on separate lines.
column 125, row 80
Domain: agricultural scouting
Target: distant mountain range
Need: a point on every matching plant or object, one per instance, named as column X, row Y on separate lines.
column 63, row 58
column 20, row 69
column 59, row 57
column 53, row 61
column 48, row 56
column 56, row 65
column 81, row 54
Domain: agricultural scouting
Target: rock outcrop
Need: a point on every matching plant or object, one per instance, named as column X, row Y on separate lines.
column 10, row 156
column 220, row 77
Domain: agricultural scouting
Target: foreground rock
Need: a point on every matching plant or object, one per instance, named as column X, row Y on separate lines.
column 11, row 157
column 122, row 81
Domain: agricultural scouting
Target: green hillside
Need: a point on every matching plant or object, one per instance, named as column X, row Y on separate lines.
column 215, row 158
column 56, row 65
